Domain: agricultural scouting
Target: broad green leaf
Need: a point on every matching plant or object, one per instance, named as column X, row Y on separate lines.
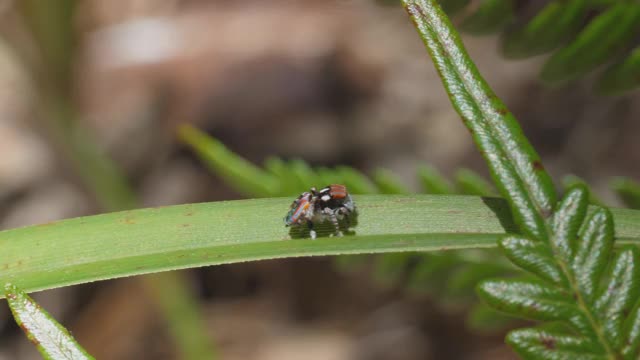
column 490, row 16
column 628, row 190
column 156, row 239
column 388, row 183
column 52, row 339
column 621, row 76
column 470, row 183
column 534, row 343
column 244, row 176
column 591, row 254
column 556, row 23
column 433, row 182
column 514, row 165
column 608, row 33
column 533, row 256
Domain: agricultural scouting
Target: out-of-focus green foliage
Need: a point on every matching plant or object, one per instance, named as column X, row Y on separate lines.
column 581, row 35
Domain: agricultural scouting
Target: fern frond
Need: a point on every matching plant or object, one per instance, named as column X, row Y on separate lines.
column 579, row 282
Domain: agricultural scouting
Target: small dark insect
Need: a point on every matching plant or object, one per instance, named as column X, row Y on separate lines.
column 332, row 203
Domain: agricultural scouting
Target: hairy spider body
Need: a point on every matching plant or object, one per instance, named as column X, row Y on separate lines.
column 332, row 203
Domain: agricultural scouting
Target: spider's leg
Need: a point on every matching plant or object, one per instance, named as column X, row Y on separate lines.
column 343, row 214
column 312, row 232
column 334, row 221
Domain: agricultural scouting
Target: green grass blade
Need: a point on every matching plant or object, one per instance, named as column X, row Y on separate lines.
column 52, row 339
column 515, row 166
column 244, row 176
column 157, row 239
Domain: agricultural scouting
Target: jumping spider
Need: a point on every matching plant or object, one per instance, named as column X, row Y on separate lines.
column 332, row 203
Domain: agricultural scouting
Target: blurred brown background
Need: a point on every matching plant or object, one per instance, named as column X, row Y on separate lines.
column 331, row 82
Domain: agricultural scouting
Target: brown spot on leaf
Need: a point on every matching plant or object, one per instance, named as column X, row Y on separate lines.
column 537, row 165
column 415, row 11
column 502, row 111
column 548, row 342
column 185, row 225
column 190, row 213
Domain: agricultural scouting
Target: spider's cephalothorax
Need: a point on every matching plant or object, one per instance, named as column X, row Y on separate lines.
column 332, row 203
